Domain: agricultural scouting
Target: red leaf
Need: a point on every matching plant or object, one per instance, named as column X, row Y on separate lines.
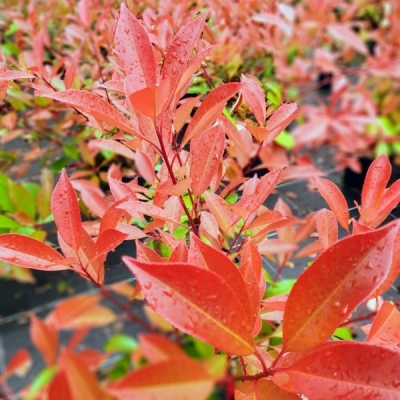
column 335, row 199
column 347, row 370
column 82, row 383
column 181, row 49
column 158, row 348
column 151, row 101
column 146, row 254
column 327, row 292
column 29, row 253
column 180, row 253
column 11, row 75
column 219, row 263
column 280, row 119
column 45, row 338
column 327, row 228
column 145, row 167
column 210, row 109
column 108, row 241
column 19, row 364
column 95, row 106
column 385, row 329
column 348, row 37
column 389, row 201
column 255, row 97
column 377, row 177
column 65, row 209
column 221, row 212
column 178, row 378
column 58, row 388
column 113, row 146
column 206, row 154
column 184, row 295
column 134, row 49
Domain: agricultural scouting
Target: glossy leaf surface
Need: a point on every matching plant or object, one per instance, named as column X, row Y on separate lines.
column 185, row 295
column 338, row 280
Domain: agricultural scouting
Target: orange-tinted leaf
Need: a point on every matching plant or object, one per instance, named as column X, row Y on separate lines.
column 95, row 106
column 29, row 253
column 178, row 378
column 151, row 101
column 251, row 258
column 19, row 364
column 134, row 49
column 327, row 292
column 347, row 36
column 183, row 112
column 263, row 389
column 185, row 295
column 335, row 199
column 82, row 383
column 68, row 311
column 147, row 254
column 65, row 209
column 347, row 370
column 210, row 109
column 255, row 98
column 385, row 329
column 45, row 338
column 377, row 178
column 389, row 201
column 221, row 212
column 206, row 154
column 158, row 348
column 327, row 228
column 275, row 246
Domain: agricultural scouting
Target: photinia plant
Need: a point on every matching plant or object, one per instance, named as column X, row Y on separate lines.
column 201, row 230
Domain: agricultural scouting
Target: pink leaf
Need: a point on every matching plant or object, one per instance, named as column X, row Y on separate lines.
column 348, row 37
column 255, row 97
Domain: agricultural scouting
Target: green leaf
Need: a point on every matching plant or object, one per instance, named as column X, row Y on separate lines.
column 5, row 201
column 71, row 150
column 121, row 342
column 32, row 188
column 42, row 379
column 281, row 287
column 285, row 139
column 342, row 333
column 198, row 349
column 59, row 164
column 6, row 222
column 12, row 29
column 22, row 199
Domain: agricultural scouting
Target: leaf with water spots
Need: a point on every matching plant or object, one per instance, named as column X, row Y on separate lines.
column 94, row 105
column 348, row 370
column 335, row 199
column 206, row 155
column 197, row 301
column 328, row 291
column 28, row 252
column 377, row 178
column 135, row 51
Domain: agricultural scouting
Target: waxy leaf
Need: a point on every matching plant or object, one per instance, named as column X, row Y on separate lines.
column 327, row 292
column 181, row 49
column 377, row 178
column 327, row 228
column 348, row 370
column 65, row 209
column 206, row 155
column 178, row 378
column 82, row 383
column 95, row 106
column 254, row 95
column 221, row 212
column 335, row 199
column 134, row 49
column 158, row 348
column 385, row 329
column 210, row 109
column 29, row 253
column 45, row 338
column 186, row 296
